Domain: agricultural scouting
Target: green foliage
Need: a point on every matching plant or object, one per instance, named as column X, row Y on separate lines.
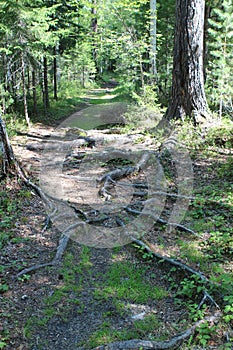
column 127, row 282
column 218, row 134
column 108, row 334
column 220, row 245
column 3, row 287
column 8, row 215
column 219, row 78
column 4, row 338
column 2, row 344
column 147, row 97
column 148, row 324
column 205, row 333
column 148, row 256
column 142, row 118
column 24, row 278
column 191, row 287
column 79, row 63
column 228, row 309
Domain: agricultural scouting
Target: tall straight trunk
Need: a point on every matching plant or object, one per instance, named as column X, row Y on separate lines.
column 35, row 108
column 153, row 34
column 94, row 27
column 55, row 73
column 142, row 74
column 7, row 159
column 205, row 47
column 188, row 95
column 28, row 81
column 45, row 85
column 24, row 90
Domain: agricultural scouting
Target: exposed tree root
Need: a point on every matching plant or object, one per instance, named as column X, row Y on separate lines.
column 184, row 267
column 32, row 268
column 172, row 343
column 108, row 179
column 170, row 260
column 59, row 253
column 78, row 142
column 161, row 221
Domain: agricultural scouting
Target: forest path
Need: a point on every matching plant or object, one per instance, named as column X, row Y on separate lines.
column 78, row 305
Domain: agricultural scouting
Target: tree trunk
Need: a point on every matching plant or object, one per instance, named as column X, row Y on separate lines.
column 35, row 108
column 55, row 74
column 24, row 91
column 153, row 34
column 7, row 159
column 45, row 85
column 206, row 28
column 94, row 27
column 188, row 95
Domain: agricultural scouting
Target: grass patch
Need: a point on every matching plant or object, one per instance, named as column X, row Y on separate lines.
column 128, row 282
column 139, row 328
column 66, row 295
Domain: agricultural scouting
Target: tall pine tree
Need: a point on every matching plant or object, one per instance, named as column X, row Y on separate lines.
column 220, row 68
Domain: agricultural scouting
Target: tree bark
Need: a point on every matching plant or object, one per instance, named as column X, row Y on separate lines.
column 188, row 95
column 205, row 47
column 153, row 34
column 35, row 108
column 55, row 73
column 7, row 159
column 94, row 27
column 45, row 87
column 24, row 91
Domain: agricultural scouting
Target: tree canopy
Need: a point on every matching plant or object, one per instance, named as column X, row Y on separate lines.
column 46, row 43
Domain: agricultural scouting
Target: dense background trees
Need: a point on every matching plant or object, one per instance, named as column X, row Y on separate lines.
column 46, row 45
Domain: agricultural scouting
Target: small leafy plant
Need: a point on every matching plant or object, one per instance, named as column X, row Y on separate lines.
column 148, row 256
column 205, row 333
column 228, row 309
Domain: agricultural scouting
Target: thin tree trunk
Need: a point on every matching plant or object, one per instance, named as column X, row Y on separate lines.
column 55, row 74
column 142, row 74
column 28, row 81
column 35, row 108
column 94, row 26
column 45, row 85
column 153, row 34
column 188, row 95
column 83, row 75
column 205, row 47
column 7, row 159
column 24, row 91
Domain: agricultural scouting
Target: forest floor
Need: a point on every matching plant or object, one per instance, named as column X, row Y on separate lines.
column 109, row 288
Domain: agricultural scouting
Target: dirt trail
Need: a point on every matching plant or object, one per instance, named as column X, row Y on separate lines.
column 49, row 320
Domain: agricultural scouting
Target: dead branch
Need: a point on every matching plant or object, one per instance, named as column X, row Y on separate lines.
column 172, row 343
